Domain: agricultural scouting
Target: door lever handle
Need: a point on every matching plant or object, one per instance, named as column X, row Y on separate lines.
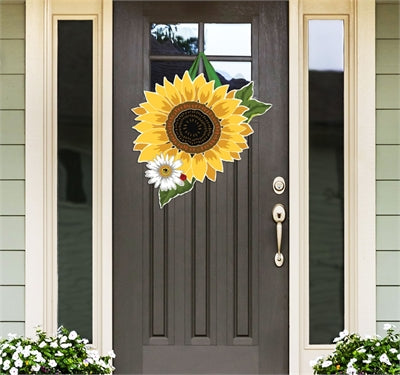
column 279, row 216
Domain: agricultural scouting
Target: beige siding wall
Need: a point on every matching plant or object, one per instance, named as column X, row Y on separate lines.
column 12, row 169
column 388, row 162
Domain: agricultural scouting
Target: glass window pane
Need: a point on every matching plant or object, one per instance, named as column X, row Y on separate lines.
column 236, row 74
column 74, row 128
column 174, row 39
column 326, row 179
column 168, row 69
column 229, row 39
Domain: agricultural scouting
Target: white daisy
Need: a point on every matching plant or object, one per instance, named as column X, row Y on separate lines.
column 163, row 172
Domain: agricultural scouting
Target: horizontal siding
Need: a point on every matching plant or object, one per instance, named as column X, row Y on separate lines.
column 387, row 127
column 387, row 164
column 12, row 268
column 12, row 197
column 17, row 328
column 12, row 168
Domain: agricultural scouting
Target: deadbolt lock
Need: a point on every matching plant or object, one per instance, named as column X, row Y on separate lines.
column 279, row 185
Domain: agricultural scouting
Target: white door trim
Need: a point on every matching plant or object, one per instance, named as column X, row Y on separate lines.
column 41, row 256
column 360, row 301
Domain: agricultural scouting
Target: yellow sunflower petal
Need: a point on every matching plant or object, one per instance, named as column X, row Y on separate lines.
column 229, row 145
column 151, row 151
column 218, row 94
column 225, row 107
column 199, row 82
column 231, row 94
column 158, row 101
column 161, row 90
column 233, row 120
column 172, row 93
column 178, row 84
column 199, row 167
column 205, row 92
column 154, row 118
column 139, row 147
column 148, row 107
column 235, row 155
column 186, row 162
column 247, row 130
column 223, row 154
column 188, row 88
column 146, row 126
column 138, row 110
column 214, row 160
column 233, row 129
column 240, row 110
column 211, row 173
column 243, row 146
column 234, row 137
column 171, row 152
column 155, row 137
column 189, row 175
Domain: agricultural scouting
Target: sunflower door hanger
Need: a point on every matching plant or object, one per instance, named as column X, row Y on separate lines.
column 190, row 126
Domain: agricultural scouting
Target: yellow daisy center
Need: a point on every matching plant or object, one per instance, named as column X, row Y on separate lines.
column 193, row 127
column 165, row 170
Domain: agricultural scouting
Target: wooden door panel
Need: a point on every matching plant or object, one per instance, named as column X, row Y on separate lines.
column 196, row 289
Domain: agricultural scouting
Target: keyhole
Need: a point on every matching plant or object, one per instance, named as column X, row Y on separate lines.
column 279, row 214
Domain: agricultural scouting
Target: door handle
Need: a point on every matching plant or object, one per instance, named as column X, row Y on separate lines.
column 279, row 216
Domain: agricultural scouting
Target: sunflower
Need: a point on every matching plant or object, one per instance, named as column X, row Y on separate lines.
column 194, row 123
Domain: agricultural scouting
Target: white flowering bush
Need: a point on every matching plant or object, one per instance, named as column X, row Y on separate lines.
column 355, row 355
column 66, row 353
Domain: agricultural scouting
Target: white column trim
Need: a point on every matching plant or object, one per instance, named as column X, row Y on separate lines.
column 41, row 257
column 360, row 174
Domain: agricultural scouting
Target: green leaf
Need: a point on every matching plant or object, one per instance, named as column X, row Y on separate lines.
column 256, row 107
column 194, row 68
column 166, row 196
column 211, row 73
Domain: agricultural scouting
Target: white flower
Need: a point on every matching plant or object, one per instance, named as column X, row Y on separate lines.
column 398, row 357
column 163, row 172
column 361, row 350
column 326, row 364
column 35, row 368
column 6, row 364
column 13, row 371
column 393, row 350
column 66, row 345
column 387, row 326
column 351, row 370
column 85, row 341
column 353, row 360
column 385, row 359
column 58, row 354
column 72, row 335
column 53, row 344
column 15, row 356
column 52, row 363
column 366, row 361
column 111, row 354
column 342, row 335
column 42, row 344
column 12, row 336
column 63, row 339
column 18, row 363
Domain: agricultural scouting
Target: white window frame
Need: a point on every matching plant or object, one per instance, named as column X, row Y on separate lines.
column 41, row 166
column 360, row 300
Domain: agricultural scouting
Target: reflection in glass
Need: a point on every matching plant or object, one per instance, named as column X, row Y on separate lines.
column 174, row 39
column 74, row 129
column 236, row 74
column 168, row 69
column 326, row 180
column 231, row 39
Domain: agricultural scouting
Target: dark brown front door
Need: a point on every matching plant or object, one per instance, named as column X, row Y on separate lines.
column 196, row 288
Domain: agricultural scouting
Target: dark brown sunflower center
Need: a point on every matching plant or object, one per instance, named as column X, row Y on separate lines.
column 193, row 127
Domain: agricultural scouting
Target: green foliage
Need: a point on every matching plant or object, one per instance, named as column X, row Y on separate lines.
column 256, row 108
column 66, row 353
column 354, row 355
column 165, row 196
